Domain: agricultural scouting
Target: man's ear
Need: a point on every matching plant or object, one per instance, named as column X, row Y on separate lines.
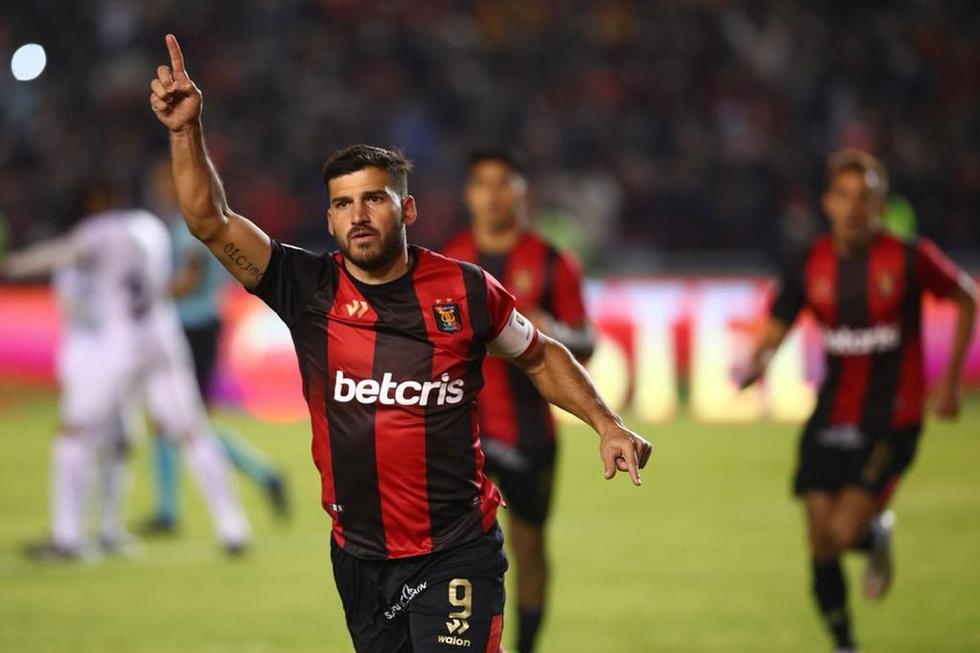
column 409, row 210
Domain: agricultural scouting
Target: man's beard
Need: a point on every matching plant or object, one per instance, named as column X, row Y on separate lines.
column 375, row 257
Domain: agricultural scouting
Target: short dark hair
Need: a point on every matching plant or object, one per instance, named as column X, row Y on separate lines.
column 494, row 153
column 357, row 157
column 852, row 159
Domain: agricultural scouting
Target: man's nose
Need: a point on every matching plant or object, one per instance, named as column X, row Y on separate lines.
column 360, row 213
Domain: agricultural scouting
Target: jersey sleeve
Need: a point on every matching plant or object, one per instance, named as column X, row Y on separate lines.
column 511, row 334
column 567, row 301
column 789, row 297
column 934, row 271
column 500, row 303
column 290, row 280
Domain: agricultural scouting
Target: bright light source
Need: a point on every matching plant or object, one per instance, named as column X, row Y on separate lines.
column 28, row 62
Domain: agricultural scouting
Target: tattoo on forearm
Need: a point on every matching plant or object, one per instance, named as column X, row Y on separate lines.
column 241, row 261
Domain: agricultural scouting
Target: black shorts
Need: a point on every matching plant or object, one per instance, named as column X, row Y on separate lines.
column 838, row 456
column 203, row 341
column 526, row 479
column 446, row 601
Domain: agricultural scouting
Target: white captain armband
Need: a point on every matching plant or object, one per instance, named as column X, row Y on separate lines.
column 517, row 336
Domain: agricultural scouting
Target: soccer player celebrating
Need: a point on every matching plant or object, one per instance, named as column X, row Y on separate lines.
column 390, row 340
column 864, row 287
column 516, row 427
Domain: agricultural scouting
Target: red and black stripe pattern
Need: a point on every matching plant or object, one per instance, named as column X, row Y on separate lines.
column 869, row 309
column 391, row 373
column 512, row 411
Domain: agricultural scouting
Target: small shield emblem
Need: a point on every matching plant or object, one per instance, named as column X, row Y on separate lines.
column 448, row 319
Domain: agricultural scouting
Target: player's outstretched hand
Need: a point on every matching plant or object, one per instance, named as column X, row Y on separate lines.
column 625, row 451
column 751, row 373
column 946, row 401
column 174, row 98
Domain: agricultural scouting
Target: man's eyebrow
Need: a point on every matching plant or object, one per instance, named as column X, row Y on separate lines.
column 371, row 192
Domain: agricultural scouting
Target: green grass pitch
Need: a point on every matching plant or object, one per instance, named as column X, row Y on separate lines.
column 706, row 557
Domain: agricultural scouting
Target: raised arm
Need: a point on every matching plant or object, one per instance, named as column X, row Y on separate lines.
column 235, row 241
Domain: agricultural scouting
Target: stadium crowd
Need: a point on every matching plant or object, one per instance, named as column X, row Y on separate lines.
column 647, row 127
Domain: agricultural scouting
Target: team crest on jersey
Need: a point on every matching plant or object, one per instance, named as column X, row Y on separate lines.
column 886, row 284
column 448, row 317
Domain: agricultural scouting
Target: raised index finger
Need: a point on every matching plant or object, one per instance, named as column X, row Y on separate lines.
column 176, row 56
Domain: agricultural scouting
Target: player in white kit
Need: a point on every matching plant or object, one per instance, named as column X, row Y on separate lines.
column 122, row 343
column 113, row 444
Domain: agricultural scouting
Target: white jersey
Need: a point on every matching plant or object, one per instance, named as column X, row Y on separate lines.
column 123, row 344
column 122, row 334
column 118, row 274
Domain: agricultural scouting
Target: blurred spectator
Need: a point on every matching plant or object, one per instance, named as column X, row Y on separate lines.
column 654, row 125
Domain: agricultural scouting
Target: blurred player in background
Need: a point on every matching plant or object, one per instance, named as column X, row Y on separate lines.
column 122, row 343
column 390, row 340
column 864, row 287
column 196, row 286
column 517, row 429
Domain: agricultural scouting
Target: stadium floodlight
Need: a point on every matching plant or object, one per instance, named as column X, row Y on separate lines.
column 28, row 62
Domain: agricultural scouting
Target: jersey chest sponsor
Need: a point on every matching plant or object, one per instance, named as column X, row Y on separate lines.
column 845, row 341
column 389, row 392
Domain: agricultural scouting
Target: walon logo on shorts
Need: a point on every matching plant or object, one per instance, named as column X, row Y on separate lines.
column 461, row 597
column 452, row 640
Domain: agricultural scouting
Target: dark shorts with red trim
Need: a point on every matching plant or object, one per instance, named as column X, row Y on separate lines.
column 526, row 479
column 832, row 457
column 446, row 601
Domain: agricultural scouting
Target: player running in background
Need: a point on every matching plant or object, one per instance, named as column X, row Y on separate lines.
column 517, row 429
column 864, row 287
column 196, row 286
column 390, row 340
column 122, row 343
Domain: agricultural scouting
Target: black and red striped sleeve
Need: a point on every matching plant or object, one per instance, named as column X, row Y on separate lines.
column 934, row 271
column 567, row 302
column 291, row 279
column 500, row 304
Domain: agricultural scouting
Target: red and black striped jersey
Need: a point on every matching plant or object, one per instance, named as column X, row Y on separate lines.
column 541, row 277
column 390, row 373
column 869, row 311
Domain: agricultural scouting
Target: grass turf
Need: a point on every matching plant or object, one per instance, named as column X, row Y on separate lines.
column 707, row 556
